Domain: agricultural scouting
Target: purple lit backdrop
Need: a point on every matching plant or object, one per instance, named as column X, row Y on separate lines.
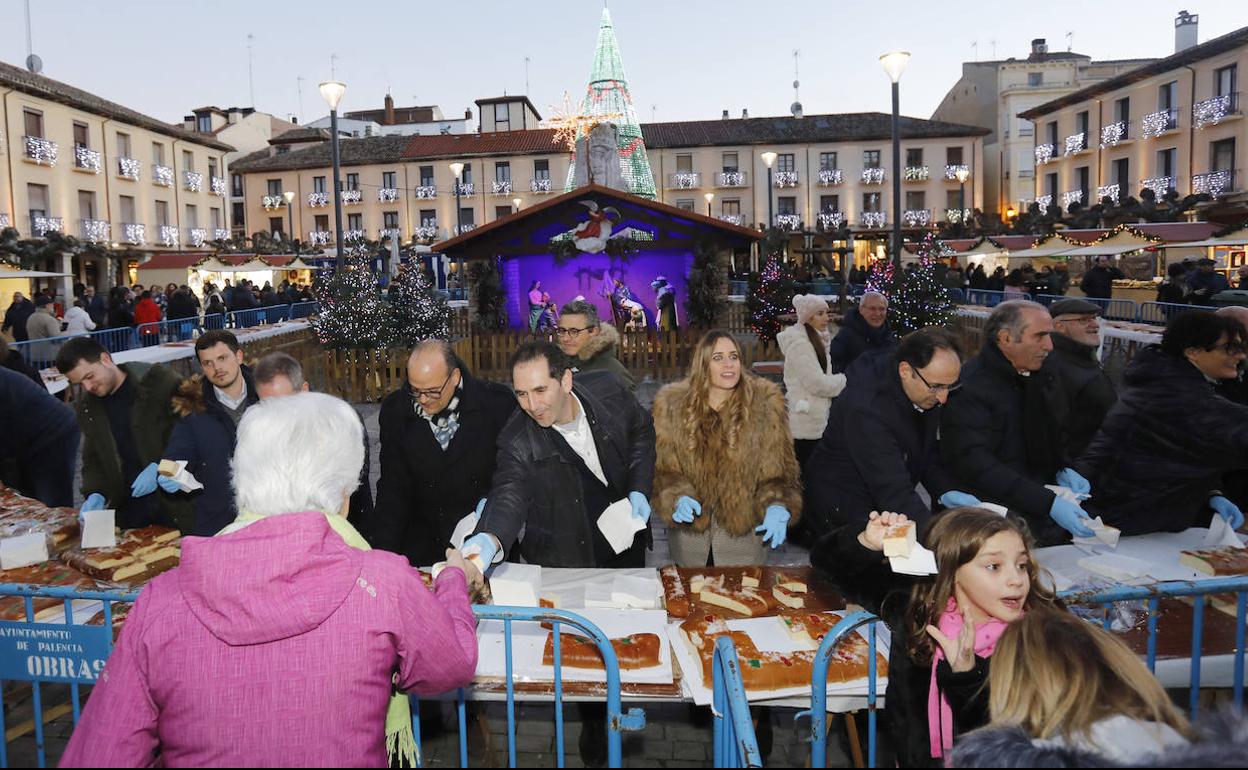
column 584, row 276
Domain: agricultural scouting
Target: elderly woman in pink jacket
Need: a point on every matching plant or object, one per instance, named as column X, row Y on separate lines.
column 279, row 642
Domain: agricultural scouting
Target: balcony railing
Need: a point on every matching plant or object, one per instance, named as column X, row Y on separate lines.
column 5, row 221
column 785, row 179
column 873, row 175
column 539, row 185
column 193, row 181
column 731, row 178
column 162, row 175
column 393, row 233
column 830, row 220
column 1114, row 133
column 1214, row 183
column 41, row 151
column 426, row 191
column 1044, row 202
column 427, row 231
column 1071, row 196
column 734, row 219
column 1044, row 153
column 465, row 188
column 96, row 230
column 957, row 216
column 272, row 202
column 916, row 217
column 351, row 197
column 791, row 222
column 1111, row 191
column 874, row 220
column 220, row 233
column 465, row 228
column 952, row 169
column 388, row 194
column 1160, row 185
column 500, row 187
column 133, row 233
column 1075, row 143
column 168, row 235
column 320, row 237
column 129, row 168
column 86, row 159
column 1211, row 112
column 354, row 235
column 318, row 200
column 917, row 174
column 196, row 236
column 1157, row 123
column 41, row 226
column 217, row 186
column 830, row 177
column 684, row 180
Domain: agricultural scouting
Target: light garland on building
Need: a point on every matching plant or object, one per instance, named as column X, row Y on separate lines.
column 916, row 217
column 134, row 233
column 193, row 180
column 1113, row 134
column 1213, row 184
column 1110, row 191
column 86, row 159
column 500, row 187
column 956, row 216
column 1157, row 123
column 350, row 197
column 874, row 219
column 4, row 221
column 730, row 179
column 733, row 219
column 197, row 236
column 466, row 189
column 426, row 232
column 873, row 175
column 217, row 186
column 388, row 194
column 168, row 235
column 1044, row 153
column 465, row 228
column 917, row 173
column 353, row 235
column 831, row 220
column 95, row 230
column 317, row 200
column 1160, row 185
column 45, row 225
column 162, row 175
column 1076, row 143
column 830, row 176
column 788, row 222
column 220, row 234
column 786, row 179
column 1043, row 202
column 951, row 171
column 319, row 237
column 1071, row 196
column 539, row 185
column 41, row 150
column 686, row 180
column 1210, row 112
column 272, row 202
column 129, row 168
column 426, row 191
column 392, row 233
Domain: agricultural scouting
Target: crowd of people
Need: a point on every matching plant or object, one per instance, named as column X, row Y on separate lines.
column 870, row 430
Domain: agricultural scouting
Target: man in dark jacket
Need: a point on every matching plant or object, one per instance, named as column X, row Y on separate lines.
column 39, row 441
column 438, row 434
column 126, row 415
column 590, row 343
column 1001, row 434
column 1099, row 281
column 211, row 407
column 1204, row 282
column 865, row 328
column 880, row 442
column 16, row 316
column 1087, row 390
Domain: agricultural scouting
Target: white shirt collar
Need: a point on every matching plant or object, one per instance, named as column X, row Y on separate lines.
column 231, row 403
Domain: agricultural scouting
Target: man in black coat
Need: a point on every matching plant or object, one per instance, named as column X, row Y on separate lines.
column 865, row 328
column 16, row 316
column 1099, row 281
column 1086, row 389
column 880, row 442
column 1001, row 434
column 39, row 441
column 438, row 434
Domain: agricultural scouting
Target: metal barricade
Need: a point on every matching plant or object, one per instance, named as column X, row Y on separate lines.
column 1114, row 309
column 958, row 296
column 734, row 741
column 214, row 321
column 1200, row 592
column 819, row 687
column 991, row 297
column 1161, row 312
column 304, row 309
column 40, row 353
column 116, row 340
column 245, row 319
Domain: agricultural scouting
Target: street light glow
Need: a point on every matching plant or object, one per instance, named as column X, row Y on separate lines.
column 331, row 92
column 768, row 158
column 457, row 169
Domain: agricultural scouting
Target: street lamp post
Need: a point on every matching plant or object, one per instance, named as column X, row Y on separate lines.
column 962, row 173
column 515, row 203
column 709, row 197
column 290, row 215
column 894, row 64
column 332, row 92
column 457, row 169
column 769, row 158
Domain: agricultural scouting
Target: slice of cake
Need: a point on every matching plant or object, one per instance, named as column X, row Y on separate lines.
column 1217, row 561
column 900, row 539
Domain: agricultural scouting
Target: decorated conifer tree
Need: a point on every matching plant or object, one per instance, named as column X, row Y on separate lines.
column 882, row 277
column 418, row 312
column 918, row 299
column 770, row 298
column 704, row 287
column 353, row 313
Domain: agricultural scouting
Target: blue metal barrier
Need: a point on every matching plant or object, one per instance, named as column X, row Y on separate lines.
column 1161, row 312
column 958, row 296
column 244, row 319
column 304, row 309
column 1115, row 309
column 1199, row 591
column 992, row 298
column 819, row 687
column 734, row 742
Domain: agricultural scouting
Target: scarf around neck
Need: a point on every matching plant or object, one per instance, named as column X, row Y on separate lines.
column 444, row 424
column 939, row 712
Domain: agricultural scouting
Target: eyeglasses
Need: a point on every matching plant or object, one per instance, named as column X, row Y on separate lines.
column 935, row 388
column 568, row 331
column 1231, row 348
column 432, row 393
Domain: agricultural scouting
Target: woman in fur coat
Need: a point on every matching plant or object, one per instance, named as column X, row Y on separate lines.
column 726, row 481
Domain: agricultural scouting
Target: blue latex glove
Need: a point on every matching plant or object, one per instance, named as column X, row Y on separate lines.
column 641, row 506
column 486, row 545
column 94, row 502
column 1227, row 510
column 145, row 483
column 1069, row 477
column 686, row 509
column 1070, row 516
column 955, row 499
column 480, row 507
column 167, row 484
column 775, row 525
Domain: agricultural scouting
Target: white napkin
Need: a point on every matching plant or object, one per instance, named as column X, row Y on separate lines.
column 1101, row 534
column 619, row 526
column 1066, row 493
column 463, row 529
column 1000, row 510
column 23, row 550
column 1115, row 566
column 920, row 562
column 1221, row 535
column 636, row 593
column 185, row 479
column 98, row 529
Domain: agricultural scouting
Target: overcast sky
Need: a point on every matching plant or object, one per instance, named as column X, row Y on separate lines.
column 685, row 60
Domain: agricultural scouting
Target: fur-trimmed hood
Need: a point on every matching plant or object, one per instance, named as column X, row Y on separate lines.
column 603, row 342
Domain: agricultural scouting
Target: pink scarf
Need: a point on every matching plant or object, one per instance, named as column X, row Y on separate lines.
column 939, row 713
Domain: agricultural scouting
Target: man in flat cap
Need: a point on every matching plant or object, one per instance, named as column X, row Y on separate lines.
column 1085, row 388
column 1205, row 282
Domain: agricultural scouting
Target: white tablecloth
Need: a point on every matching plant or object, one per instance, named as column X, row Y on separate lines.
column 160, row 354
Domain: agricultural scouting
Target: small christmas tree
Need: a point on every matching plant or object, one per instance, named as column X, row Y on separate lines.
column 704, row 287
column 881, row 277
column 491, row 297
column 770, row 297
column 353, row 313
column 918, row 298
column 417, row 311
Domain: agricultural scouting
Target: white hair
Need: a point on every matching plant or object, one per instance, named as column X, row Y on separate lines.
column 867, row 294
column 299, row 453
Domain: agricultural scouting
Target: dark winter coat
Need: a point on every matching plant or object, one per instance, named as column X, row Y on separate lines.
column 424, row 491
column 863, row 577
column 985, row 446
column 1222, row 741
column 537, row 489
column 876, row 449
column 32, row 417
column 1204, row 285
column 152, row 420
column 97, row 308
column 856, row 337
column 182, row 305
column 15, row 319
column 1086, row 390
column 15, row 363
column 598, row 355
column 205, row 437
column 1164, row 447
column 1099, row 281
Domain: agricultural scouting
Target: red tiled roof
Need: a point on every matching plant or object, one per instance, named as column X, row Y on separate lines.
column 490, row 143
column 1014, row 242
column 172, row 260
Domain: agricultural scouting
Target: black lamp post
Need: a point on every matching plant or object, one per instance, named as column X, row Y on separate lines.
column 290, row 215
column 332, row 91
column 457, row 169
column 894, row 64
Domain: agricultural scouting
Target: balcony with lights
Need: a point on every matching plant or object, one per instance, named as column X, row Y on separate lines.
column 427, row 231
column 393, row 233
column 1158, row 123
column 783, row 179
column 874, row 220
column 1111, row 191
column 168, row 235
column 1043, row 202
column 133, row 233
column 830, row 177
column 1160, row 185
column 873, row 175
column 40, row 151
column 917, row 217
column 733, row 219
column 220, row 233
column 788, row 222
column 87, row 160
column 730, row 179
column 216, row 185
column 354, row 235
column 500, row 187
column 830, row 221
column 96, row 231
column 320, row 237
column 1044, row 153
column 192, row 181
column 41, row 226
column 684, row 180
column 317, row 200
column 196, row 236
column 1214, row 184
column 465, row 228
column 129, row 168
column 1075, row 144
column 273, row 202
column 1071, row 196
column 388, row 194
column 5, row 221
column 1115, row 134
column 162, row 175
column 917, row 174
column 540, row 186
column 426, row 191
column 352, row 197
column 466, row 189
column 958, row 216
column 952, row 169
column 1211, row 112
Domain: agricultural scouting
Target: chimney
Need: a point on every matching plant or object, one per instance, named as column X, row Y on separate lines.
column 1185, row 31
column 1039, row 47
column 188, row 123
column 725, row 116
column 744, row 113
column 389, row 121
column 468, row 114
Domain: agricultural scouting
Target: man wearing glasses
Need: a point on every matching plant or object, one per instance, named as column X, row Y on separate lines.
column 1086, row 388
column 589, row 343
column 880, row 442
column 438, row 434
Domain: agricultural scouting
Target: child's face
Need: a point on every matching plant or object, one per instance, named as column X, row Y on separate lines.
column 995, row 583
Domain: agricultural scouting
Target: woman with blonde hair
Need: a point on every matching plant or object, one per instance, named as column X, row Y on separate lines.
column 1064, row 693
column 726, row 481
